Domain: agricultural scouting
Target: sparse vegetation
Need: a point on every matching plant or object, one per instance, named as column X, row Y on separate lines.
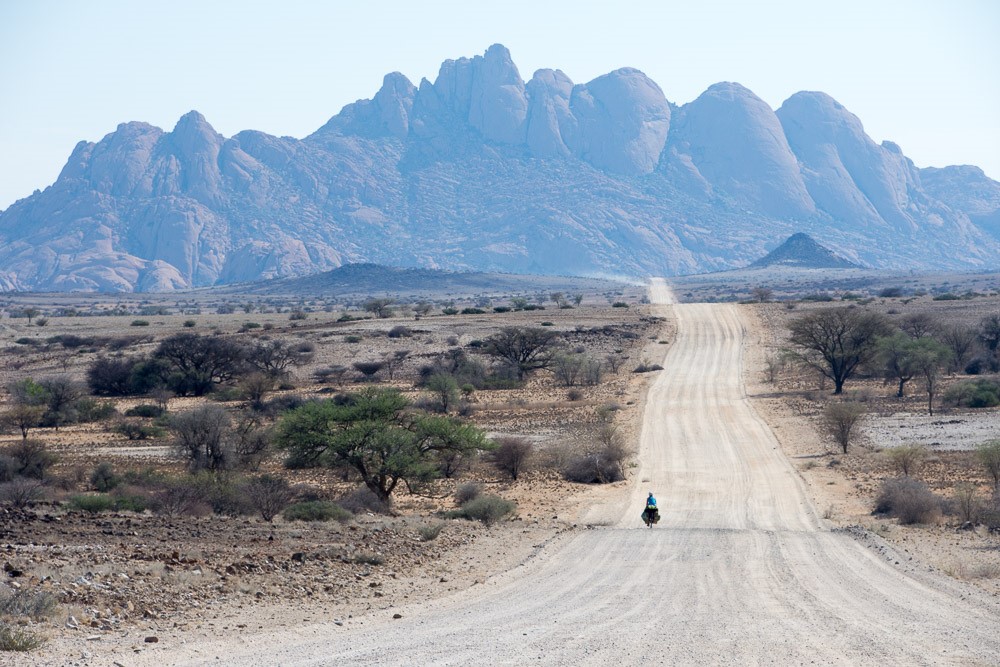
column 989, row 457
column 979, row 393
column 487, row 509
column 512, row 455
column 908, row 500
column 316, row 510
column 907, row 459
column 840, row 419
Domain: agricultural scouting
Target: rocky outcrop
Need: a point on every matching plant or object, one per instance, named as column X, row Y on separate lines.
column 967, row 190
column 479, row 170
column 731, row 141
column 802, row 251
column 619, row 122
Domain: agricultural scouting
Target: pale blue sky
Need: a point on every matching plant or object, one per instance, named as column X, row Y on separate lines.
column 922, row 73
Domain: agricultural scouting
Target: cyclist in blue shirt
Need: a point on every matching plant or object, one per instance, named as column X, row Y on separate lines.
column 651, row 514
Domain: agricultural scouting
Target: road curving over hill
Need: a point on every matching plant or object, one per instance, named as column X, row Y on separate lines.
column 740, row 571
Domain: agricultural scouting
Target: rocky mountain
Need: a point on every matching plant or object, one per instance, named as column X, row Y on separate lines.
column 480, row 170
column 801, row 251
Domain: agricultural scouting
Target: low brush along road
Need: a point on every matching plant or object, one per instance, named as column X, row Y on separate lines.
column 740, row 570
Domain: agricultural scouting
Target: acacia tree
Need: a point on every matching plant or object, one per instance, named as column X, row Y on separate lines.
column 896, row 354
column 927, row 357
column 379, row 307
column 276, row 357
column 525, row 349
column 195, row 364
column 23, row 417
column 989, row 332
column 838, row 341
column 959, row 339
column 374, row 433
column 919, row 325
column 422, row 309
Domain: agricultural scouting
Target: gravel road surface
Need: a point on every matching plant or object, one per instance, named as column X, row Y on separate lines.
column 740, row 571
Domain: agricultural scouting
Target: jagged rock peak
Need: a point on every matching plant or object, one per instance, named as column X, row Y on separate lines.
column 731, row 140
column 193, row 122
column 620, row 122
column 802, row 251
column 487, row 92
column 548, row 95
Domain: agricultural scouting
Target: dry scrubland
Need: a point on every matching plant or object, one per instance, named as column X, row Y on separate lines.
column 107, row 534
column 192, row 571
column 944, row 509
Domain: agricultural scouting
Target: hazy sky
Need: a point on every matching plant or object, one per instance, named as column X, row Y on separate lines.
column 922, row 73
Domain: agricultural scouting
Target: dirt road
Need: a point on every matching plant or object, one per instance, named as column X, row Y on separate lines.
column 740, row 571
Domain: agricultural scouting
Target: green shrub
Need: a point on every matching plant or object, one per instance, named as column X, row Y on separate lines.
column 138, row 431
column 449, row 311
column 227, row 394
column 428, row 533
column 129, row 500
column 89, row 410
column 317, row 510
column 352, row 339
column 139, row 323
column 486, row 509
column 948, row 296
column 92, row 502
column 189, row 324
column 501, row 309
column 473, row 311
column 32, row 458
column 619, row 304
column 103, row 478
column 979, row 393
column 14, row 638
column 146, row 410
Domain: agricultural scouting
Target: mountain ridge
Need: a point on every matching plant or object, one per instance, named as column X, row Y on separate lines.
column 480, row 170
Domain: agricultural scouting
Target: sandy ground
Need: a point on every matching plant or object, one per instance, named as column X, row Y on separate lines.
column 742, row 570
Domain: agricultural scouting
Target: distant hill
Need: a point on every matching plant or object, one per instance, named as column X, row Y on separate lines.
column 482, row 171
column 801, row 251
column 368, row 279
